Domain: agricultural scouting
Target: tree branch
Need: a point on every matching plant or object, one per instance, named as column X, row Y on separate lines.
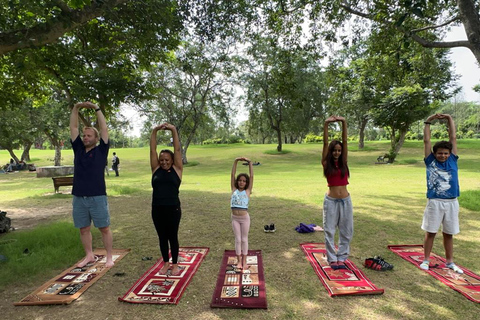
column 436, row 26
column 50, row 31
column 423, row 42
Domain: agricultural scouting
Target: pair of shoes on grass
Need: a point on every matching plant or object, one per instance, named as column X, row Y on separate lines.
column 425, row 265
column 377, row 263
column 269, row 228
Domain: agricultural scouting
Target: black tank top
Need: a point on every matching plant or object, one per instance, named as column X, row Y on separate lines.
column 165, row 184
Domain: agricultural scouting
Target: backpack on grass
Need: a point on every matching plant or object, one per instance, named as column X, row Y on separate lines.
column 5, row 222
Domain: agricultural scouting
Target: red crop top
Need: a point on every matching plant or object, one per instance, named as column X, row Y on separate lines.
column 336, row 179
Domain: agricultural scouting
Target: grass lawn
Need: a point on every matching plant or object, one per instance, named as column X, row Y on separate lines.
column 388, row 203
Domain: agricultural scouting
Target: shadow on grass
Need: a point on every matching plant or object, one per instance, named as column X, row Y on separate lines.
column 293, row 289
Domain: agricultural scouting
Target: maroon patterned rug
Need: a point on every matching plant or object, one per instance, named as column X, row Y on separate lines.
column 240, row 288
column 157, row 288
column 70, row 284
column 467, row 283
column 341, row 282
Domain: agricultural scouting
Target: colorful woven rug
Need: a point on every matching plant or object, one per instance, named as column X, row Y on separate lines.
column 467, row 283
column 240, row 288
column 341, row 282
column 70, row 284
column 157, row 288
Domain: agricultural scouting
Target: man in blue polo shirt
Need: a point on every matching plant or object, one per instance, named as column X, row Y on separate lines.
column 89, row 191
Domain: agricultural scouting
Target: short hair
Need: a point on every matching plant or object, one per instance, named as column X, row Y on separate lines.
column 442, row 145
column 247, row 180
column 169, row 152
column 97, row 135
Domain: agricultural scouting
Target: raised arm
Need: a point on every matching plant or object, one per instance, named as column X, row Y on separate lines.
column 325, row 138
column 452, row 134
column 427, row 143
column 250, row 169
column 153, row 148
column 344, row 138
column 102, row 123
column 234, row 171
column 74, row 122
column 177, row 150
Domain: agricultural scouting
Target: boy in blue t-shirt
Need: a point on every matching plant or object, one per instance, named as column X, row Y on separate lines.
column 442, row 191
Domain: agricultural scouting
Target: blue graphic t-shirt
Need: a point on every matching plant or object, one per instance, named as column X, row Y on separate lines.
column 442, row 177
column 239, row 199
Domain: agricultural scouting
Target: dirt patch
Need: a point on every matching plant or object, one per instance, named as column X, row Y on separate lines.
column 29, row 217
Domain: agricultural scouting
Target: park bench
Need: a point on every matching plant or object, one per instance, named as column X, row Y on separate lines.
column 61, row 182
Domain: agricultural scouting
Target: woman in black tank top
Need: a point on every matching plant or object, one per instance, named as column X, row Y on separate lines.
column 167, row 169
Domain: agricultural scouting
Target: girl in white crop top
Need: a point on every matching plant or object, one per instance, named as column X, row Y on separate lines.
column 241, row 186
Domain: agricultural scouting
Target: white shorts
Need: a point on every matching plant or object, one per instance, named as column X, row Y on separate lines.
column 442, row 212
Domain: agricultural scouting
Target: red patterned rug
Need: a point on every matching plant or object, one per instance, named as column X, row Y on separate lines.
column 237, row 288
column 157, row 288
column 467, row 283
column 341, row 282
column 70, row 284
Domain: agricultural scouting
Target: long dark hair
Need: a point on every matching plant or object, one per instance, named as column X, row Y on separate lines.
column 330, row 168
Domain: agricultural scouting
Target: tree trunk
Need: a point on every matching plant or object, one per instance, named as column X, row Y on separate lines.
column 361, row 135
column 12, row 154
column 58, row 155
column 401, row 140
column 279, row 139
column 26, row 152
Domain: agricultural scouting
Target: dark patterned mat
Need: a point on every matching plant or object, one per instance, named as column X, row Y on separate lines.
column 70, row 284
column 240, row 288
column 157, row 288
column 341, row 282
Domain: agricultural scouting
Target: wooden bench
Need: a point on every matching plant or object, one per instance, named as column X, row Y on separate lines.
column 61, row 182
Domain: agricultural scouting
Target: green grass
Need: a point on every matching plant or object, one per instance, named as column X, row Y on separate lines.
column 33, row 253
column 288, row 189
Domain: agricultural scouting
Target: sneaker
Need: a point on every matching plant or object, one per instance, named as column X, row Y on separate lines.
column 272, row 228
column 266, row 228
column 377, row 263
column 334, row 265
column 341, row 265
column 454, row 267
column 424, row 265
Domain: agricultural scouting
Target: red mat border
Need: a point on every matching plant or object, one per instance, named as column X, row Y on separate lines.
column 159, row 263
column 262, row 299
column 321, row 274
column 433, row 273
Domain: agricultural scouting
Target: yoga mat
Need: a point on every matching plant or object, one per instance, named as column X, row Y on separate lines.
column 240, row 288
column 157, row 288
column 70, row 284
column 467, row 283
column 341, row 282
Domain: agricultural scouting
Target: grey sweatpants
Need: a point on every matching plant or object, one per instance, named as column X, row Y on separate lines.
column 337, row 213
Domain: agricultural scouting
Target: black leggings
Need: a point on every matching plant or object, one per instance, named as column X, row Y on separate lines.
column 166, row 220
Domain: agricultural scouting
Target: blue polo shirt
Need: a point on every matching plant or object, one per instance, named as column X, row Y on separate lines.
column 442, row 177
column 89, row 169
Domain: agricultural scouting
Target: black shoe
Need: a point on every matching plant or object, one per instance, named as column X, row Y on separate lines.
column 377, row 263
column 266, row 228
column 272, row 228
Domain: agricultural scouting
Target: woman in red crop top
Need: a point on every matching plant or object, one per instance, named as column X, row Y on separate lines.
column 337, row 205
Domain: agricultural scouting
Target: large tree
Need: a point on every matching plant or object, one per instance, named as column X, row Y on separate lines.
column 34, row 23
column 415, row 19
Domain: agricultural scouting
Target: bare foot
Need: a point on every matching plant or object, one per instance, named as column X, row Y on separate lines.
column 109, row 263
column 239, row 262
column 88, row 259
column 244, row 261
column 165, row 268
column 175, row 270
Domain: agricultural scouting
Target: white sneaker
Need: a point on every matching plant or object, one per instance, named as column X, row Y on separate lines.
column 424, row 265
column 455, row 268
